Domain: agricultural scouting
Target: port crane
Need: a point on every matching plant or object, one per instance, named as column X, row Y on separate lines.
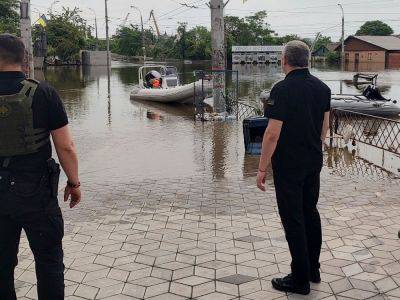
column 155, row 22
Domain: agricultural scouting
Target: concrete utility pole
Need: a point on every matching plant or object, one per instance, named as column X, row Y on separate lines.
column 26, row 33
column 343, row 58
column 218, row 54
column 95, row 25
column 107, row 36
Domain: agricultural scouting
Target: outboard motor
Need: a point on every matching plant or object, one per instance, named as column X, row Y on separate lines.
column 373, row 93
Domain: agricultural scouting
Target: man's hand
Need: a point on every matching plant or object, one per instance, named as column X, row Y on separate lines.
column 261, row 176
column 74, row 193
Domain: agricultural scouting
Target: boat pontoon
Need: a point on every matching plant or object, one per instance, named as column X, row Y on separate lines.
column 168, row 88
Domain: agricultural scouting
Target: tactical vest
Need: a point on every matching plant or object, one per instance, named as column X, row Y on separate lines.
column 17, row 134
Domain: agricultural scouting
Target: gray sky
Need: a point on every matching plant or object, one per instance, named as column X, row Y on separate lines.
column 303, row 17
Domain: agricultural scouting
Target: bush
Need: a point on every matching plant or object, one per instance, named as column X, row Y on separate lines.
column 333, row 57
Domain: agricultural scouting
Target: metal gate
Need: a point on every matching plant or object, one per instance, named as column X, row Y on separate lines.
column 204, row 87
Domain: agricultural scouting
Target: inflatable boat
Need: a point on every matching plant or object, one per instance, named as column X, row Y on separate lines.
column 370, row 102
column 158, row 83
column 360, row 104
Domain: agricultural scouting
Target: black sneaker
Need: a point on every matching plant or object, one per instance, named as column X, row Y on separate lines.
column 287, row 284
column 315, row 276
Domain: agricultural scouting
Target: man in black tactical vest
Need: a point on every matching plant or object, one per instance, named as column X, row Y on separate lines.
column 31, row 112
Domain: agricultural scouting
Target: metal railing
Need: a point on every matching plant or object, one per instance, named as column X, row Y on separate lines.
column 375, row 131
column 246, row 110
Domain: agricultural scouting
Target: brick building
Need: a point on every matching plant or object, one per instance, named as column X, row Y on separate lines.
column 372, row 49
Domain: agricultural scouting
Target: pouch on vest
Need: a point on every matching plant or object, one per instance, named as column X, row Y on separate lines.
column 17, row 133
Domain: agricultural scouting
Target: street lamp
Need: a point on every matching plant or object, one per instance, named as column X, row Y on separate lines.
column 95, row 24
column 343, row 53
column 141, row 21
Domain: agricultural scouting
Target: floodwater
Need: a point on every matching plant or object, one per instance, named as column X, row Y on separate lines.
column 122, row 141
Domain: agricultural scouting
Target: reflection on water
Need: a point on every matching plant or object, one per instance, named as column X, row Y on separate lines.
column 120, row 140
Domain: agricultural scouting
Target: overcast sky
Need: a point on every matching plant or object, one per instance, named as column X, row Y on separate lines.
column 302, row 17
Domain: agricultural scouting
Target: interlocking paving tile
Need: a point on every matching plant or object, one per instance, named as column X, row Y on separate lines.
column 237, row 279
column 250, row 239
column 220, row 239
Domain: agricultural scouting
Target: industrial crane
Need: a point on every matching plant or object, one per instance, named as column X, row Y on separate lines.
column 125, row 20
column 155, row 22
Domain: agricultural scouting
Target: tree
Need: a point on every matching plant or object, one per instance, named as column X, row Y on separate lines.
column 181, row 40
column 375, row 28
column 322, row 41
column 199, row 43
column 251, row 30
column 9, row 18
column 127, row 41
column 67, row 33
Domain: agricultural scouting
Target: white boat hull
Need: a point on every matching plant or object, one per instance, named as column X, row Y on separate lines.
column 180, row 94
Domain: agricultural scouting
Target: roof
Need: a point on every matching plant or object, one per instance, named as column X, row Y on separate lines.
column 332, row 46
column 390, row 43
column 257, row 48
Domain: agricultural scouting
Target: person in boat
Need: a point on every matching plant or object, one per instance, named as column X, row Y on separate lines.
column 29, row 175
column 298, row 123
column 153, row 79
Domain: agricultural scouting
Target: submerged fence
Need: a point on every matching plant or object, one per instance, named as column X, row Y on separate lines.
column 375, row 131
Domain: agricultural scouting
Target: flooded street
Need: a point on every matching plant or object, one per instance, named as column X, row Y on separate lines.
column 120, row 140
column 171, row 211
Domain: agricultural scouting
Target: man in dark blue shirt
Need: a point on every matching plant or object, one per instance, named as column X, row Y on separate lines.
column 298, row 115
column 31, row 113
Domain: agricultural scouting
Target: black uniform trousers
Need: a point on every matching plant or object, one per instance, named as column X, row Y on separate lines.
column 27, row 203
column 297, row 193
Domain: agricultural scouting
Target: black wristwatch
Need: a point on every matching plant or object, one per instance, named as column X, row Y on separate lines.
column 73, row 186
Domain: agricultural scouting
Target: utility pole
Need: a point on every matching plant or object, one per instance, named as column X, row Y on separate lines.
column 343, row 58
column 218, row 54
column 95, row 25
column 108, row 62
column 26, row 33
column 107, row 36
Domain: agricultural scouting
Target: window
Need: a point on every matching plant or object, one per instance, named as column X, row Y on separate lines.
column 369, row 56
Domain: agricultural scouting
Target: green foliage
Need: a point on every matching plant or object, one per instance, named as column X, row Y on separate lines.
column 67, row 34
column 187, row 44
column 252, row 30
column 199, row 43
column 127, row 41
column 333, row 57
column 322, row 41
column 9, row 18
column 375, row 28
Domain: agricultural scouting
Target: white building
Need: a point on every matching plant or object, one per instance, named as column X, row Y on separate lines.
column 256, row 54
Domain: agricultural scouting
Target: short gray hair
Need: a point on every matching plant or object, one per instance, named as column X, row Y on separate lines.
column 297, row 54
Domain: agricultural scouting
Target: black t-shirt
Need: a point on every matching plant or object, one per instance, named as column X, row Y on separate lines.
column 300, row 102
column 48, row 113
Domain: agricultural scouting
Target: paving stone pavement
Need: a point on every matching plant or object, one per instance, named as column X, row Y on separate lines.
column 220, row 239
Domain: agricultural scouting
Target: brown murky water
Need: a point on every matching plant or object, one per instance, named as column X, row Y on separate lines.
column 122, row 141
